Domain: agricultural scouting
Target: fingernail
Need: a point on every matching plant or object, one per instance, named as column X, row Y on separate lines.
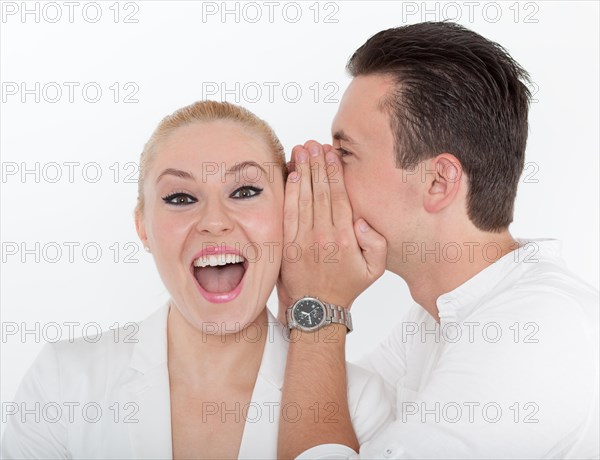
column 364, row 227
column 293, row 176
column 330, row 157
column 314, row 150
column 302, row 157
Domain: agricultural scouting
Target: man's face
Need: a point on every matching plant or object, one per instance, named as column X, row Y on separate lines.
column 388, row 198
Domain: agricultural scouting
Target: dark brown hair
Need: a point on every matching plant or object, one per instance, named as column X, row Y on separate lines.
column 455, row 92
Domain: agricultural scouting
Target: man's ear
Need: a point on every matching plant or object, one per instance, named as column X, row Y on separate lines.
column 444, row 183
column 140, row 227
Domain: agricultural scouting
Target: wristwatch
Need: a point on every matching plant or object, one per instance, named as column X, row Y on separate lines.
column 310, row 314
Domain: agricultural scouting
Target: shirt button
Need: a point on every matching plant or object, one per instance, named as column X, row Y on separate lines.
column 388, row 453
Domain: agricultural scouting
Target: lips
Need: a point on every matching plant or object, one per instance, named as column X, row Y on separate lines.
column 219, row 273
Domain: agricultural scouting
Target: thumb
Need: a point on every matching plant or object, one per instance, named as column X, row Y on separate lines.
column 373, row 246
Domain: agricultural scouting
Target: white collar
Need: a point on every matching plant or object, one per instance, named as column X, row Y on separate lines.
column 149, row 389
column 455, row 305
column 150, row 350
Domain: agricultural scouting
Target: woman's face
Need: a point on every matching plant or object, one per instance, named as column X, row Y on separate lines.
column 213, row 220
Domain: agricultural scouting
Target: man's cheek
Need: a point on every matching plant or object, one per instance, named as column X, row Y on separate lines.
column 357, row 198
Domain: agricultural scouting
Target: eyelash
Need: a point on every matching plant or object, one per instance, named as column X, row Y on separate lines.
column 343, row 152
column 168, row 199
column 177, row 195
column 257, row 191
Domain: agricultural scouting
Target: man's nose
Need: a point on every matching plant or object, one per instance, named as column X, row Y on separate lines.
column 214, row 219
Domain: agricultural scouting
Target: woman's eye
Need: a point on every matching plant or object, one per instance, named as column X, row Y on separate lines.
column 246, row 192
column 179, row 199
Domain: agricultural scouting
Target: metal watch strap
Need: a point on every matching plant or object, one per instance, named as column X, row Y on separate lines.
column 339, row 315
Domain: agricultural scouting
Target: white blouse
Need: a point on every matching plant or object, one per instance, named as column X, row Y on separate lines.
column 111, row 399
column 511, row 370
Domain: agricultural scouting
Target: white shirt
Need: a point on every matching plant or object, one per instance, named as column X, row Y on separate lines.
column 521, row 381
column 111, row 399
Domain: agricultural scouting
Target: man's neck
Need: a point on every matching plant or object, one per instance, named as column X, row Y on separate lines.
column 450, row 263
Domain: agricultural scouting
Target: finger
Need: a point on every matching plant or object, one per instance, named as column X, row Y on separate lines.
column 305, row 199
column 290, row 207
column 341, row 209
column 321, row 197
column 291, row 165
column 326, row 147
column 373, row 246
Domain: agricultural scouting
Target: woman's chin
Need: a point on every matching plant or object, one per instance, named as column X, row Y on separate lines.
column 213, row 310
column 223, row 318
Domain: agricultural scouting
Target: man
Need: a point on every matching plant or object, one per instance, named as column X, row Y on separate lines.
column 499, row 356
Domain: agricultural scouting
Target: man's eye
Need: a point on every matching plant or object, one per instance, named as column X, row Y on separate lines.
column 343, row 152
column 246, row 192
column 179, row 199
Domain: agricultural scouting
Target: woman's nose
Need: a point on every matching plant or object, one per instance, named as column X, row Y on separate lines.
column 214, row 219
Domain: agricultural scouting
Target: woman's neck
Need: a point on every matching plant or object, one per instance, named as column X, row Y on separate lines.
column 200, row 359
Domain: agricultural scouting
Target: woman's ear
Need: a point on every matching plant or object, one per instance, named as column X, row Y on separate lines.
column 140, row 228
column 444, row 183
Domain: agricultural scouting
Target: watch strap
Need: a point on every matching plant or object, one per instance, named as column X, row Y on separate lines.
column 339, row 315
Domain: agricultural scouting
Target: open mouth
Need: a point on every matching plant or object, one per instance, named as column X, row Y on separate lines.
column 219, row 275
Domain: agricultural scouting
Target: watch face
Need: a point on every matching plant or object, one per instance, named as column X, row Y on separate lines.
column 308, row 313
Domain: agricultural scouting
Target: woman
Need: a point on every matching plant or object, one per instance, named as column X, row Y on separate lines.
column 202, row 377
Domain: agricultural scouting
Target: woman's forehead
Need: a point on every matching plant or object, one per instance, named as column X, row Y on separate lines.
column 222, row 141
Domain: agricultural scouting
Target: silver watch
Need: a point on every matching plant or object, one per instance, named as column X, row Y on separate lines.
column 310, row 314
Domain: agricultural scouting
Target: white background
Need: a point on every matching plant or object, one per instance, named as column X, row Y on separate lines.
column 166, row 59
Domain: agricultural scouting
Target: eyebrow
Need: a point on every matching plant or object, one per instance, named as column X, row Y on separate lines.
column 189, row 176
column 244, row 164
column 340, row 135
column 176, row 173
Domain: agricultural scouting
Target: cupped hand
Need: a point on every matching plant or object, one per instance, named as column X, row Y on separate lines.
column 326, row 254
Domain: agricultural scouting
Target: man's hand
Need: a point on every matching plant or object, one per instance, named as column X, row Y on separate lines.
column 329, row 257
column 326, row 254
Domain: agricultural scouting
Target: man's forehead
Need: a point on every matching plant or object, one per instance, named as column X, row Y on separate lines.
column 361, row 107
column 340, row 135
column 369, row 89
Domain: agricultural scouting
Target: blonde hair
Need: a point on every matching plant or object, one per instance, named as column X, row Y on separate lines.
column 206, row 111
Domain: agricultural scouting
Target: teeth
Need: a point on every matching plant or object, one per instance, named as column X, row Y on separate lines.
column 217, row 260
